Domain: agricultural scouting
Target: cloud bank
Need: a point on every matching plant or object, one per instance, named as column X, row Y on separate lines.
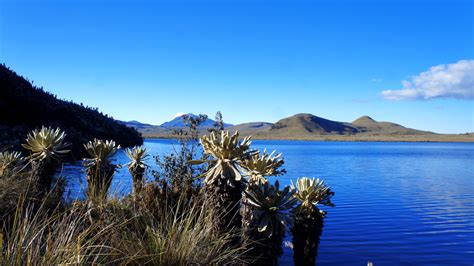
column 443, row 81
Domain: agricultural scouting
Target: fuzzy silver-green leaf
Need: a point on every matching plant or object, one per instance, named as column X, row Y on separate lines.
column 46, row 144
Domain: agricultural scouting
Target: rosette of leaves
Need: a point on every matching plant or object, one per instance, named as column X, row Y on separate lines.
column 137, row 166
column 99, row 167
column 227, row 153
column 47, row 148
column 10, row 162
column 310, row 193
column 270, row 216
column 259, row 165
column 308, row 218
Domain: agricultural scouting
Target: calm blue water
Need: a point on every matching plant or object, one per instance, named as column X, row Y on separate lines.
column 396, row 203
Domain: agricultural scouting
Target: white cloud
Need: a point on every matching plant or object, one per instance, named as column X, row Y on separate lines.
column 443, row 81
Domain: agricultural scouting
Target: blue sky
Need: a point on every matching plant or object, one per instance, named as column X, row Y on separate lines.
column 252, row 60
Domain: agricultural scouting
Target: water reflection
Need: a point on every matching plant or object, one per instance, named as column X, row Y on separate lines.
column 306, row 234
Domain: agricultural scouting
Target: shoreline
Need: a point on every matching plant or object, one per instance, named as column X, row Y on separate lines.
column 413, row 138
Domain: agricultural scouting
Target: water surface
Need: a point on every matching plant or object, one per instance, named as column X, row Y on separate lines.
column 396, row 203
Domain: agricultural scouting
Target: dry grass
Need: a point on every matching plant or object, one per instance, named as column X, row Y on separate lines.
column 180, row 235
column 120, row 231
column 35, row 237
column 13, row 188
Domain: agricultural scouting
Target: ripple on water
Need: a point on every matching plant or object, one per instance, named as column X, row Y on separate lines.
column 396, row 203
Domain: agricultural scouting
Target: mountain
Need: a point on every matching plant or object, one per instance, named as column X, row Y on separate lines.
column 136, row 124
column 166, row 129
column 365, row 124
column 24, row 107
column 251, row 128
column 308, row 124
column 178, row 122
column 299, row 126
column 311, row 127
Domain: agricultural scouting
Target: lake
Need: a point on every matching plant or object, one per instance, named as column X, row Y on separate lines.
column 396, row 203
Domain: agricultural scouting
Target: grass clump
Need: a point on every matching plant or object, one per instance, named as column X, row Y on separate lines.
column 119, row 231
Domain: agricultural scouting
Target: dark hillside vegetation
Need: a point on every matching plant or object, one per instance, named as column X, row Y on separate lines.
column 24, row 107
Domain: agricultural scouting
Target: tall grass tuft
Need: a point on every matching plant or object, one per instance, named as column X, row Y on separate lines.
column 12, row 188
column 35, row 237
column 178, row 235
column 121, row 232
column 11, row 162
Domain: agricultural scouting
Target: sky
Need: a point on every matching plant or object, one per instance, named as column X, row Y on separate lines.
column 408, row 62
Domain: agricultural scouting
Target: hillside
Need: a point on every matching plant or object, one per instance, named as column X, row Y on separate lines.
column 24, row 107
column 311, row 127
column 251, row 128
column 308, row 124
column 136, row 124
column 366, row 124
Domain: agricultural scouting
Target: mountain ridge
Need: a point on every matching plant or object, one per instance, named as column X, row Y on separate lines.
column 305, row 126
column 310, row 124
column 178, row 122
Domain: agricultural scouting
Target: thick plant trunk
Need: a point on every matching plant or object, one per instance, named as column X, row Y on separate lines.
column 246, row 214
column 225, row 200
column 307, row 231
column 42, row 175
column 137, row 182
column 262, row 249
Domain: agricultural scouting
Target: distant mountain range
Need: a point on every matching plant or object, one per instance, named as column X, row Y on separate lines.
column 311, row 127
column 308, row 126
column 135, row 124
column 297, row 125
column 178, row 122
